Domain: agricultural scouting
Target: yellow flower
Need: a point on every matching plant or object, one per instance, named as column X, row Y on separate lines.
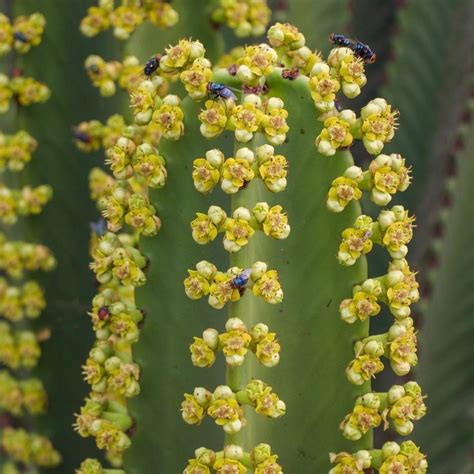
column 363, row 368
column 96, row 21
column 343, row 190
column 236, row 173
column 336, row 133
column 378, row 124
column 195, row 467
column 131, row 74
column 256, row 62
column 204, row 231
column 346, row 463
column 360, row 307
column 205, row 176
column 169, row 119
column 195, row 285
column 267, row 350
column 6, row 35
column 229, row 466
column 269, row 466
column 274, row 124
column 213, row 118
column 176, row 56
column 360, row 421
column 395, row 463
column 191, row 411
column 162, row 15
column 148, row 163
column 224, row 411
column 398, row 234
column 6, row 93
column 268, row 287
column 238, row 231
column 273, row 172
column 142, row 100
column 125, row 20
column 195, row 80
column 201, row 354
column 267, row 403
column 108, row 436
column 402, row 352
column 349, row 69
column 235, row 342
column 276, row 223
column 285, row 35
column 246, row 119
column 222, row 291
column 29, row 91
column 323, row 87
column 355, row 242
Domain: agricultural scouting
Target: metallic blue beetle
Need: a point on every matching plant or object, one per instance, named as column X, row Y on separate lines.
column 217, row 90
column 152, row 65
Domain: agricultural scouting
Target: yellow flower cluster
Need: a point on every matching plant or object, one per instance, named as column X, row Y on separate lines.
column 16, row 303
column 16, row 150
column 222, row 288
column 235, row 343
column 18, row 396
column 235, row 173
column 25, row 90
column 22, row 202
column 239, row 228
column 264, row 400
column 229, row 461
column 349, row 71
column 337, row 133
column 18, row 257
column 29, row 448
column 324, row 87
column 18, row 349
column 125, row 18
column 401, row 405
column 21, row 34
column 393, row 457
column 245, row 17
column 256, row 63
column 103, row 75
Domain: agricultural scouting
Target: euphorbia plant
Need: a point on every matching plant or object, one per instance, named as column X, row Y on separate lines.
column 269, row 130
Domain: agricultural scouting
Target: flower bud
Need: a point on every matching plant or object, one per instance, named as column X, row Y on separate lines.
column 223, row 392
column 235, row 360
column 258, row 269
column 211, row 337
column 243, row 136
column 217, row 215
column 172, row 99
column 233, row 427
column 261, row 453
column 395, row 393
column 205, row 456
column 206, row 269
column 233, row 452
column 390, row 448
column 354, row 172
column 202, row 396
column 385, row 219
column 264, row 153
column 215, row 158
column 259, row 331
column 245, row 74
column 245, row 154
column 253, row 99
column 242, row 213
column 364, row 458
column 370, row 400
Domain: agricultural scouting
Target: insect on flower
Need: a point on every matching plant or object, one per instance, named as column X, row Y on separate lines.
column 241, row 280
column 99, row 228
column 81, row 136
column 360, row 49
column 19, row 36
column 152, row 65
column 217, row 90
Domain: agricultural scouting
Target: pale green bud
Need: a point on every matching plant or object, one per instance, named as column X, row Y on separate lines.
column 364, row 457
column 235, row 360
column 107, row 88
column 214, row 302
column 374, row 348
column 217, row 215
column 253, row 99
column 228, row 187
column 348, row 116
column 354, row 377
column 215, row 158
column 400, row 313
column 242, row 213
column 202, row 396
column 274, row 103
column 370, row 400
column 211, row 337
column 374, row 147
column 278, row 186
column 401, row 368
column 205, row 456
column 245, row 74
column 233, row 324
column 258, row 269
column 395, row 393
column 243, row 136
column 143, row 118
column 244, row 29
column 259, row 331
column 325, row 148
column 379, row 197
column 350, row 89
column 233, row 427
column 112, row 363
column 264, row 153
column 390, row 448
column 372, row 286
column 351, row 432
column 260, row 211
column 261, row 453
column 231, row 246
column 402, row 253
column 396, row 331
column 385, row 219
column 223, row 392
column 206, row 269
column 172, row 100
column 354, row 172
column 394, row 277
column 197, row 50
column 400, row 212
column 404, row 428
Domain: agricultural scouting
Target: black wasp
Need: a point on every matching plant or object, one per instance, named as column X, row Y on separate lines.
column 152, row 65
column 217, row 90
column 360, row 49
